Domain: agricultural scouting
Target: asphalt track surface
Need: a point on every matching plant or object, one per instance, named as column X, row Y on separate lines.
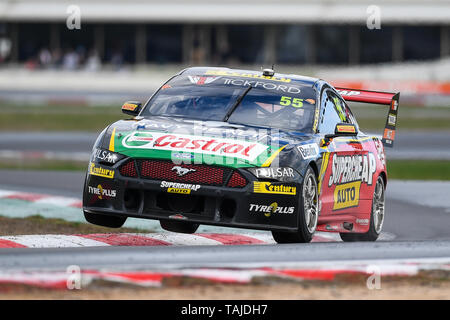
column 421, row 232
column 421, row 228
column 406, row 218
column 243, row 256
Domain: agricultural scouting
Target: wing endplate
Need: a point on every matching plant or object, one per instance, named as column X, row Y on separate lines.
column 377, row 97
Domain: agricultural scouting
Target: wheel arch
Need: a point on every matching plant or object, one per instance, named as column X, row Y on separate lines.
column 314, row 166
column 383, row 175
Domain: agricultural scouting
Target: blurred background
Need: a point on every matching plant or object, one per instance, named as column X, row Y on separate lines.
column 67, row 66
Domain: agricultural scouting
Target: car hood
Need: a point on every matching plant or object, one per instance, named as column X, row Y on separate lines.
column 192, row 141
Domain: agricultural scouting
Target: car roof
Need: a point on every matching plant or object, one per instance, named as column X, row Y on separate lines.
column 297, row 79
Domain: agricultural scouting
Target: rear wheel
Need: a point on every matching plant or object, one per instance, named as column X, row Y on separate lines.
column 105, row 220
column 179, row 226
column 308, row 214
column 376, row 217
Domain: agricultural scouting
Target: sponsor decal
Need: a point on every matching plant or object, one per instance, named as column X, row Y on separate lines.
column 199, row 80
column 245, row 75
column 182, row 171
column 392, row 119
column 178, row 217
column 129, row 106
column 101, row 172
column 246, row 150
column 394, row 105
column 267, row 187
column 389, row 134
column 345, row 129
column 182, row 156
column 380, row 151
column 273, row 208
column 348, row 173
column 101, row 192
column 262, row 84
column 353, row 168
column 363, row 222
column 331, row 227
column 179, row 190
column 183, row 188
column 274, row 173
column 104, row 155
column 348, row 93
column 346, row 195
column 309, row 151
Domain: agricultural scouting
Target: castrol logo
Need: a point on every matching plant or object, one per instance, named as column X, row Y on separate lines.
column 247, row 150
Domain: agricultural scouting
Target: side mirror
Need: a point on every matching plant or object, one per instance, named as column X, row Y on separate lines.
column 345, row 129
column 342, row 129
column 132, row 107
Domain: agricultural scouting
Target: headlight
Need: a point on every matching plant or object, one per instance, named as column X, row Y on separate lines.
column 278, row 173
column 105, row 156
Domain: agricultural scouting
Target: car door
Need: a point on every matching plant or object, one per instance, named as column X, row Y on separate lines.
column 339, row 193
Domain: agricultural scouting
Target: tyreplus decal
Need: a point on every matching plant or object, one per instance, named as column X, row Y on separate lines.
column 246, row 150
column 268, row 210
column 348, row 173
column 102, row 193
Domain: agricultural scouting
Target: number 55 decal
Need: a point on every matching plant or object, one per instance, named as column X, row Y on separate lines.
column 289, row 101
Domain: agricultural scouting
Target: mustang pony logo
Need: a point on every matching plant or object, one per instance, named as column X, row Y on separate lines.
column 182, row 171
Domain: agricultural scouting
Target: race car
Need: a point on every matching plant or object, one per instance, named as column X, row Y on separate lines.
column 244, row 149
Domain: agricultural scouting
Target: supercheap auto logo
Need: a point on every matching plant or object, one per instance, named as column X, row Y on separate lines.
column 346, row 195
column 101, row 172
column 267, row 187
column 183, row 188
column 348, row 173
column 247, row 150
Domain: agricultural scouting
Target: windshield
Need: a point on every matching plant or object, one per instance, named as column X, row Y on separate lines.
column 221, row 99
column 270, row 109
column 200, row 102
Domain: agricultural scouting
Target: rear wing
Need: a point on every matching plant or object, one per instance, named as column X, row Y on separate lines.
column 376, row 97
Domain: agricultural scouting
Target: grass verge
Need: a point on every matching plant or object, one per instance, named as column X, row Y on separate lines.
column 58, row 118
column 418, row 169
column 40, row 225
column 58, row 165
column 95, row 118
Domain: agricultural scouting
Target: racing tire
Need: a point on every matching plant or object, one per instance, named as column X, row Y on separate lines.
column 179, row 226
column 308, row 216
column 105, row 220
column 376, row 217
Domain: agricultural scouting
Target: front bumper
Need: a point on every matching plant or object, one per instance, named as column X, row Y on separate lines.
column 243, row 207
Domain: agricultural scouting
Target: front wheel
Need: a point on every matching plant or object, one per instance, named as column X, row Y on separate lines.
column 308, row 214
column 376, row 217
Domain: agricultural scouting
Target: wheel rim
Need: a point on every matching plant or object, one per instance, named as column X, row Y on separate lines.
column 310, row 200
column 378, row 206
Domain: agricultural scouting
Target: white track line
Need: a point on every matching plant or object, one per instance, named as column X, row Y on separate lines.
column 180, row 239
column 6, row 193
column 54, row 241
column 264, row 237
column 58, row 201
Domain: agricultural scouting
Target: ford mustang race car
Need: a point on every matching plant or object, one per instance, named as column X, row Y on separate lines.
column 245, row 149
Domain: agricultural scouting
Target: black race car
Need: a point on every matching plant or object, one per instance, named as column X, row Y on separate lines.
column 246, row 149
